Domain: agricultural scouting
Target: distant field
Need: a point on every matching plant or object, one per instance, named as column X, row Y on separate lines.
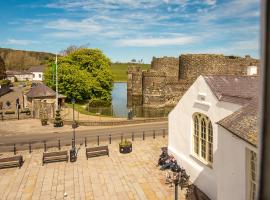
column 119, row 70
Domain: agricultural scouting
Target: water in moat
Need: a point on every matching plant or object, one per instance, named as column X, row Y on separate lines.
column 119, row 106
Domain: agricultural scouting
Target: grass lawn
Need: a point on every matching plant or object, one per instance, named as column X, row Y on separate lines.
column 119, row 70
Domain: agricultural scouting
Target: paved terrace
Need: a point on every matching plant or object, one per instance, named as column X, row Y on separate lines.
column 120, row 176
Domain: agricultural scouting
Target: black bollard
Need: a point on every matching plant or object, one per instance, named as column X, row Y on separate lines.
column 14, row 149
column 110, row 139
column 143, row 135
column 132, row 136
column 45, row 146
column 85, row 142
column 154, row 134
column 30, row 147
column 163, row 133
column 98, row 140
column 59, row 144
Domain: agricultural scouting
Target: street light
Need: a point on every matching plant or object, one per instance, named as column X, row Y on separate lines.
column 73, row 123
column 176, row 181
column 73, row 154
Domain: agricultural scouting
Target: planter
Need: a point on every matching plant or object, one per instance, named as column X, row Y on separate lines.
column 125, row 147
column 44, row 122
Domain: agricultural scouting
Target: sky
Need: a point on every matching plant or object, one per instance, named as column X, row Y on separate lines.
column 133, row 29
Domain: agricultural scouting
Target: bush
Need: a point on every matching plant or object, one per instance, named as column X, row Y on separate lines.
column 9, row 112
column 125, row 143
column 98, row 103
column 5, row 82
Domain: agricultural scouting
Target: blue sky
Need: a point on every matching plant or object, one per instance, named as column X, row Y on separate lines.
column 127, row 29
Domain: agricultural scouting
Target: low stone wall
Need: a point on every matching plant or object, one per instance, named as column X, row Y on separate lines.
column 116, row 123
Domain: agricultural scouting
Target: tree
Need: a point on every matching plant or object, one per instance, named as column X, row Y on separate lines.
column 133, row 60
column 2, row 69
column 83, row 74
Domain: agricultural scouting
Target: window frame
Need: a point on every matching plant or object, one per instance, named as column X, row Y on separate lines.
column 203, row 133
column 251, row 174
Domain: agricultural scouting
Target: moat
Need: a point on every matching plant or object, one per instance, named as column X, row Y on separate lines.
column 119, row 106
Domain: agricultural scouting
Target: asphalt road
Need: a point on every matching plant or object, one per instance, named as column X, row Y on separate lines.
column 157, row 129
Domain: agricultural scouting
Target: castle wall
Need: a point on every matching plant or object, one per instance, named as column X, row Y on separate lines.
column 134, row 86
column 169, row 78
column 169, row 65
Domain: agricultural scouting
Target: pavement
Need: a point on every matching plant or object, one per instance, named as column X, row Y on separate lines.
column 117, row 177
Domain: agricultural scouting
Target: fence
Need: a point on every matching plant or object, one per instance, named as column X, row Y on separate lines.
column 14, row 116
column 94, row 140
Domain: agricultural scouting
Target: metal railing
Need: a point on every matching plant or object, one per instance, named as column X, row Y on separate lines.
column 90, row 140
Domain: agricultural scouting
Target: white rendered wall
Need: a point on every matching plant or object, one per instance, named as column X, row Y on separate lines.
column 36, row 76
column 180, row 133
column 232, row 168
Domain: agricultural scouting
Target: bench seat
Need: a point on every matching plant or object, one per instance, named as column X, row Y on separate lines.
column 97, row 151
column 54, row 156
column 13, row 161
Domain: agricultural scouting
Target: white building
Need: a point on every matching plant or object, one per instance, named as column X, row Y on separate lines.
column 213, row 135
column 37, row 72
column 19, row 76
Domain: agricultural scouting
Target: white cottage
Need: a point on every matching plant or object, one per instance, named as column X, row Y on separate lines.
column 37, row 72
column 213, row 135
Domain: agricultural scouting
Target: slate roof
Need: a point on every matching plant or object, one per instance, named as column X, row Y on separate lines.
column 242, row 90
column 234, row 89
column 39, row 68
column 41, row 90
column 12, row 73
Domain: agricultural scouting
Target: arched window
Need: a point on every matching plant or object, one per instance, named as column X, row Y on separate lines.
column 203, row 137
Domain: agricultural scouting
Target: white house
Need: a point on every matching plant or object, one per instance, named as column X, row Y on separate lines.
column 19, row 76
column 213, row 135
column 37, row 72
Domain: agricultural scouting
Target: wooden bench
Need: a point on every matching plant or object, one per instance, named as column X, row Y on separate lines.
column 54, row 156
column 97, row 151
column 14, row 161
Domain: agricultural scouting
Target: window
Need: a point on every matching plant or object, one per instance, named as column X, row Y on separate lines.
column 203, row 138
column 39, row 75
column 251, row 174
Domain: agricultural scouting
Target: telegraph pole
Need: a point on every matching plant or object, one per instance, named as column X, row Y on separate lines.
column 56, row 83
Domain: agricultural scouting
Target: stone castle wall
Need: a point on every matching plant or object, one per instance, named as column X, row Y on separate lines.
column 169, row 78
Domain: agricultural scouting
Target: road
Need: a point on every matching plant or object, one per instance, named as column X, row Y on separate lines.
column 65, row 138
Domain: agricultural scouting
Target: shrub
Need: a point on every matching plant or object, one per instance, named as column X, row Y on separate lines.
column 98, row 103
column 9, row 112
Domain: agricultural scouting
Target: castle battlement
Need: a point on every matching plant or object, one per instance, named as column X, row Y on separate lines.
column 169, row 77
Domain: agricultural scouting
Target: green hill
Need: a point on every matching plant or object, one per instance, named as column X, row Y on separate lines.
column 119, row 70
column 22, row 60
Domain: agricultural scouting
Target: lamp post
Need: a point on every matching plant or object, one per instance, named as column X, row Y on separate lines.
column 73, row 123
column 176, row 181
column 72, row 152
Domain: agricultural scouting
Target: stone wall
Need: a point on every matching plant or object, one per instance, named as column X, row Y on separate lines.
column 169, row 78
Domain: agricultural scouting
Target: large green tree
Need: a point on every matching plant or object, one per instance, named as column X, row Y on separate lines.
column 83, row 74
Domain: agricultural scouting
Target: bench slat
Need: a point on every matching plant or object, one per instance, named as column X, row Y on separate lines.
column 97, row 151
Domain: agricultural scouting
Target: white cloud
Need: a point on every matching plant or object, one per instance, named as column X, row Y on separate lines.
column 154, row 42
column 20, row 42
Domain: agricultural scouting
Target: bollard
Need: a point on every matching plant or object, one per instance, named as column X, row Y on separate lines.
column 85, row 142
column 121, row 137
column 143, row 135
column 30, row 148
column 14, row 149
column 154, row 134
column 45, row 146
column 163, row 133
column 132, row 136
column 110, row 138
column 98, row 140
column 59, row 145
